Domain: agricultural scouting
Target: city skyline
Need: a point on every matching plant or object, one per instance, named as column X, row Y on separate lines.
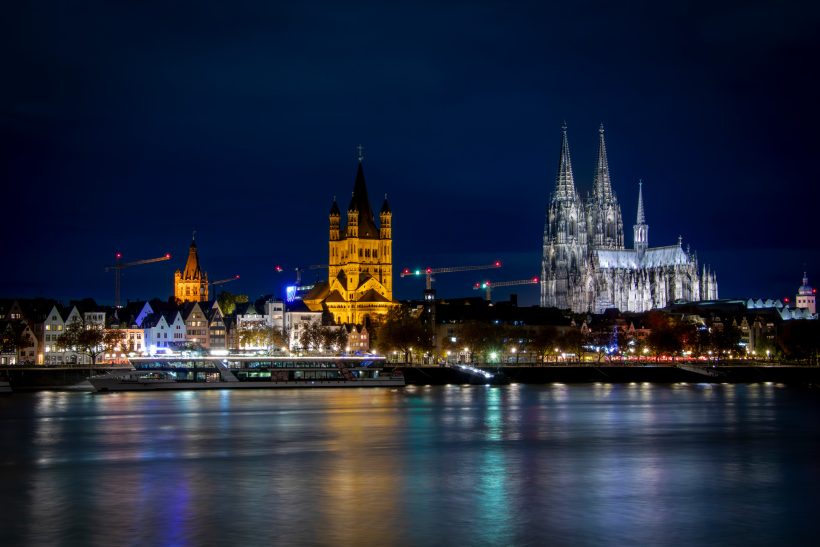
column 244, row 125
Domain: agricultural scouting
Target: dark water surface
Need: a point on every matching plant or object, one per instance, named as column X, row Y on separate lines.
column 457, row 466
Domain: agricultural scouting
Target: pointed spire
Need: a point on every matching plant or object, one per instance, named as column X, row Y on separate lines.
column 192, row 269
column 602, row 184
column 385, row 206
column 641, row 216
column 564, row 181
column 360, row 202
column 334, row 209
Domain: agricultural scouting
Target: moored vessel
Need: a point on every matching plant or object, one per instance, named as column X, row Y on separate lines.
column 237, row 372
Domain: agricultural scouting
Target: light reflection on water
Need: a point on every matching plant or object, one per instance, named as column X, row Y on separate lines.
column 598, row 464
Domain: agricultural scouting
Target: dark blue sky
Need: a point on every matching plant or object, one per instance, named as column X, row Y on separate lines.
column 124, row 126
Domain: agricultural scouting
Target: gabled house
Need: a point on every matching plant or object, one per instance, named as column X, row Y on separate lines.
column 163, row 330
column 196, row 324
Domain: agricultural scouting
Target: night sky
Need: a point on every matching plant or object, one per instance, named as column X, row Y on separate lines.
column 125, row 126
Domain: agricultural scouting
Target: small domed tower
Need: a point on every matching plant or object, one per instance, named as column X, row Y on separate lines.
column 806, row 296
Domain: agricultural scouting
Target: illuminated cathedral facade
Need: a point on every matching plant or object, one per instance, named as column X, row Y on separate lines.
column 360, row 261
column 585, row 266
column 191, row 284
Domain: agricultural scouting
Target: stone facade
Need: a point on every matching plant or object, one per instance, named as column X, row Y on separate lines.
column 191, row 284
column 585, row 266
column 360, row 262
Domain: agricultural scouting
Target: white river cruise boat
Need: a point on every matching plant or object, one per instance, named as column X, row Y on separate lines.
column 238, row 372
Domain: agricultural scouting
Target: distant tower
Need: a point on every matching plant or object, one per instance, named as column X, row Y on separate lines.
column 806, row 296
column 191, row 284
column 604, row 223
column 641, row 229
column 563, row 263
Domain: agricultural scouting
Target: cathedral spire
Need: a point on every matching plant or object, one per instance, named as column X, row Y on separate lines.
column 641, row 216
column 564, row 181
column 602, row 184
column 641, row 230
column 604, row 221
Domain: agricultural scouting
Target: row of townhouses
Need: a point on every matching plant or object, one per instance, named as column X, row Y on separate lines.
column 30, row 328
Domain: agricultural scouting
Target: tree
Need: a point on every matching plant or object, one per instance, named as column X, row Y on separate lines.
column 542, row 342
column 260, row 336
column 800, row 340
column 726, row 339
column 318, row 337
column 13, row 338
column 573, row 342
column 227, row 301
column 91, row 340
column 482, row 338
column 665, row 335
column 400, row 331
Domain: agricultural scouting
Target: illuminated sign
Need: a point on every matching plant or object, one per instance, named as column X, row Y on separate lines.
column 290, row 293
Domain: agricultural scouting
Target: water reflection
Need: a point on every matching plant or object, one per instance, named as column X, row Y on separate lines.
column 560, row 464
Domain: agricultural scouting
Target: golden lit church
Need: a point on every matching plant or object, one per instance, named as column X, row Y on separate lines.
column 191, row 284
column 360, row 262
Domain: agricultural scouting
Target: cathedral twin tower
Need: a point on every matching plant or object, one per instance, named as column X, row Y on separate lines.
column 585, row 266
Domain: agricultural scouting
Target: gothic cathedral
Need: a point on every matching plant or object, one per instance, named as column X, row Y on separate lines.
column 191, row 284
column 360, row 262
column 585, row 266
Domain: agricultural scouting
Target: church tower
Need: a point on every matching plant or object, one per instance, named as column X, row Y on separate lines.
column 191, row 284
column 564, row 282
column 806, row 296
column 604, row 223
column 640, row 230
column 360, row 261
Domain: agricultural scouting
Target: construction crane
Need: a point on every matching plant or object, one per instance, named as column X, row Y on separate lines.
column 301, row 269
column 429, row 272
column 488, row 286
column 118, row 267
column 222, row 282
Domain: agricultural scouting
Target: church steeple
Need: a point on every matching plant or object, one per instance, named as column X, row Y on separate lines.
column 641, row 229
column 604, row 221
column 601, row 185
column 564, row 180
column 641, row 216
column 359, row 285
column 359, row 214
column 191, row 284
column 192, row 270
column 565, row 238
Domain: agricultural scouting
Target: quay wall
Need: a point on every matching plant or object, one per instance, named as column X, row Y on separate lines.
column 797, row 375
column 44, row 378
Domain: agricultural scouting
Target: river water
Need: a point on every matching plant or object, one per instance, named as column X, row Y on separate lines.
column 641, row 464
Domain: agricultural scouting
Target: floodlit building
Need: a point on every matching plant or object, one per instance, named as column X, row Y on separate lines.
column 586, row 267
column 191, row 284
column 360, row 271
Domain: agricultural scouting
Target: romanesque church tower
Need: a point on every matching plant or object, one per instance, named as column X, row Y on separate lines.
column 191, row 284
column 360, row 261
